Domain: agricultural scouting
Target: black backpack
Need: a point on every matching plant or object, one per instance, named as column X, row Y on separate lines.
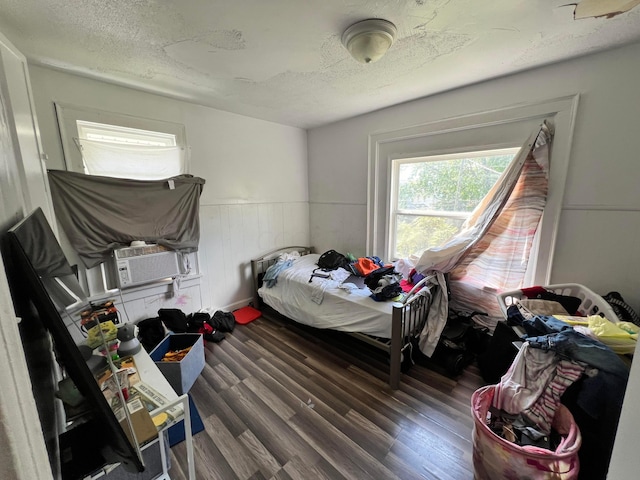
column 331, row 260
column 374, row 277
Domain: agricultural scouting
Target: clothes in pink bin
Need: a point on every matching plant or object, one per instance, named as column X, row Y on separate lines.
column 534, row 384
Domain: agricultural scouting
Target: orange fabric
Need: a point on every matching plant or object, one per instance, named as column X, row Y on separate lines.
column 365, row 266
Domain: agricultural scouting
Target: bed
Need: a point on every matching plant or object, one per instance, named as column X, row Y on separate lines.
column 391, row 326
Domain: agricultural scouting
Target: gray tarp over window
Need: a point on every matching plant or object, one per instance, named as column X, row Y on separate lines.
column 99, row 214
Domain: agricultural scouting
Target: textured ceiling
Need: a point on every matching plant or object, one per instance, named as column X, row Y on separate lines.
column 282, row 60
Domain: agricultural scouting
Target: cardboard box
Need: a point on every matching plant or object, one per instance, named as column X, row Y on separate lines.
column 181, row 375
column 143, row 426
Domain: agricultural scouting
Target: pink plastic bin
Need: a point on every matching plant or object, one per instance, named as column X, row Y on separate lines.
column 496, row 458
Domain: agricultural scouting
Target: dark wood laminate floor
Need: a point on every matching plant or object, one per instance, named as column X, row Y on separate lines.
column 281, row 401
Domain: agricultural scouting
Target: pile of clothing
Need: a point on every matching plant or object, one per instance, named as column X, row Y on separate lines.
column 528, row 395
column 559, row 362
column 380, row 278
column 620, row 336
column 212, row 325
column 285, row 260
column 515, row 429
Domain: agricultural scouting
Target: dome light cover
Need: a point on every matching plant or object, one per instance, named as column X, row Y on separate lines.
column 368, row 40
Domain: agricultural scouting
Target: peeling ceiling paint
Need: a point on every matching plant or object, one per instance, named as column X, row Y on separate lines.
column 283, row 60
column 603, row 8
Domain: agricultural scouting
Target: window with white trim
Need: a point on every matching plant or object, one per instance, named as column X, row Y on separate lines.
column 493, row 129
column 431, row 197
column 159, row 148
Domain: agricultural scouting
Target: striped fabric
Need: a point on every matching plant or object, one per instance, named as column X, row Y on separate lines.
column 541, row 413
column 490, row 253
column 499, row 260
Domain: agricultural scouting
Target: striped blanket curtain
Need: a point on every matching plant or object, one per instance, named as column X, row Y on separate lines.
column 491, row 253
column 499, row 260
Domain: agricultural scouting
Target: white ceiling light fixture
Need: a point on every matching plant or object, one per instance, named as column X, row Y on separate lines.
column 368, row 40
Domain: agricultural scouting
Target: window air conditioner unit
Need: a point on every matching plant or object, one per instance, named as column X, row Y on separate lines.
column 144, row 264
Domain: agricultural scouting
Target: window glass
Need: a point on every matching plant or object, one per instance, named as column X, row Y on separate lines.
column 431, row 197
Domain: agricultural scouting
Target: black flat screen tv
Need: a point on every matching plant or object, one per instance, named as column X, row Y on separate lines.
column 40, row 275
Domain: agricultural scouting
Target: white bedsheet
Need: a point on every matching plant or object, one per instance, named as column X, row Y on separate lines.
column 339, row 310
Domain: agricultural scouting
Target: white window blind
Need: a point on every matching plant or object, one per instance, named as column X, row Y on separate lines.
column 122, row 152
column 138, row 162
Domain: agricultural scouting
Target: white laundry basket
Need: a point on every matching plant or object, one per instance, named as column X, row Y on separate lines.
column 590, row 303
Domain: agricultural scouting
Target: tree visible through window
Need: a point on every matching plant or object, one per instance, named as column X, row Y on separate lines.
column 431, row 197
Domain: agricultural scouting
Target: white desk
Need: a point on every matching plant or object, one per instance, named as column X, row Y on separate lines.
column 151, row 375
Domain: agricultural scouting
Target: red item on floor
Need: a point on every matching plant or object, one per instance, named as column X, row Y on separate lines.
column 245, row 315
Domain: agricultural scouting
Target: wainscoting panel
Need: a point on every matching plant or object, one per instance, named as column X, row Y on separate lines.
column 231, row 235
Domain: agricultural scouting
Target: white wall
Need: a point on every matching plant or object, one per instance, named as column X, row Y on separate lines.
column 597, row 243
column 256, row 195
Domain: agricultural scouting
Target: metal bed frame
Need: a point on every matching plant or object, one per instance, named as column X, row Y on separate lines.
column 408, row 317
